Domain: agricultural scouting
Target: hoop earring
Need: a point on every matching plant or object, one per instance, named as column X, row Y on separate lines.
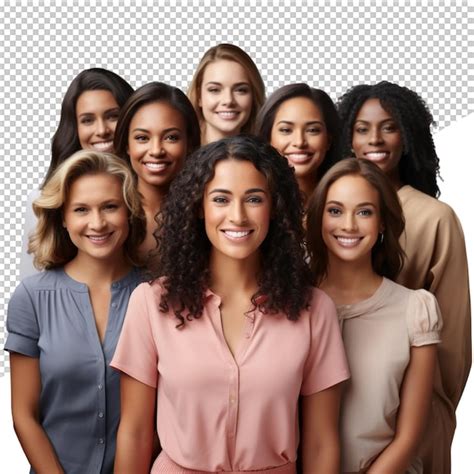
column 381, row 237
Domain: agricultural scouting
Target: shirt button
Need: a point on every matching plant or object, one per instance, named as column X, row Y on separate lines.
column 114, row 305
column 100, row 386
column 101, row 414
column 101, row 440
column 232, row 399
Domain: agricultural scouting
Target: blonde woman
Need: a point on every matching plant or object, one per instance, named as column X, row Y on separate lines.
column 64, row 322
column 227, row 92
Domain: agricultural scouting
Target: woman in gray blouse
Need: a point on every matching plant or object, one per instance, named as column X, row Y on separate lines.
column 64, row 322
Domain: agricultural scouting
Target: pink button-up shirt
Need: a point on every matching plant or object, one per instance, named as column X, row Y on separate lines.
column 220, row 413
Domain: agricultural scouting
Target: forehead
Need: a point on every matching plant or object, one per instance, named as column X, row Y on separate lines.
column 351, row 190
column 224, row 71
column 95, row 187
column 298, row 108
column 160, row 115
column 372, row 111
column 237, row 176
column 96, row 99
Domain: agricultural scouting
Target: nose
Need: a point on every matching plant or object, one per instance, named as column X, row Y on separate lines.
column 299, row 139
column 375, row 137
column 238, row 215
column 97, row 220
column 103, row 128
column 156, row 148
column 227, row 97
column 350, row 222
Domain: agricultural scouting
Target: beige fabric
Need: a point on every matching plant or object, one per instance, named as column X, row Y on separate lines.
column 437, row 262
column 378, row 333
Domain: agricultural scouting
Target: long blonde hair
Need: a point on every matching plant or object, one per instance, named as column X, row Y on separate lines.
column 50, row 242
column 229, row 52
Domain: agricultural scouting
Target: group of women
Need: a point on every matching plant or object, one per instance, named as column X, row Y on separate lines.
column 239, row 304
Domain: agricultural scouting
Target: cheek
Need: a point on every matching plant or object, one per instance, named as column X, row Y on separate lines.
column 82, row 135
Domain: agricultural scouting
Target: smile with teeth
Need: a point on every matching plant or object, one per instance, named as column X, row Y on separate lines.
column 103, row 146
column 237, row 234
column 348, row 241
column 228, row 115
column 99, row 238
column 153, row 166
column 299, row 158
column 377, row 155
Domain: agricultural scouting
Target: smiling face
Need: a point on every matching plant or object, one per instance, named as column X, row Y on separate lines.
column 351, row 220
column 299, row 134
column 225, row 99
column 237, row 208
column 376, row 136
column 157, row 143
column 96, row 217
column 97, row 112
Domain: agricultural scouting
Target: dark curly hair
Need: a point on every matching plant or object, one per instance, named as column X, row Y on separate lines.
column 419, row 164
column 387, row 253
column 266, row 116
column 183, row 251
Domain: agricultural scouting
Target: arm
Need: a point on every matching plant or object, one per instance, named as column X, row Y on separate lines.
column 136, row 429
column 319, row 431
column 26, row 389
column 415, row 399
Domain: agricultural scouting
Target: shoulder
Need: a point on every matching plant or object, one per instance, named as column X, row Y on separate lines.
column 46, row 279
column 320, row 301
column 321, row 310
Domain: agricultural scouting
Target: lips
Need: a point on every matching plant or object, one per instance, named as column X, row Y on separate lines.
column 156, row 167
column 99, row 238
column 348, row 242
column 106, row 146
column 377, row 156
column 299, row 158
column 228, row 114
column 237, row 235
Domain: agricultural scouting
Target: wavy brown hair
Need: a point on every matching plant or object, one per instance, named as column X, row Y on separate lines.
column 183, row 251
column 387, row 254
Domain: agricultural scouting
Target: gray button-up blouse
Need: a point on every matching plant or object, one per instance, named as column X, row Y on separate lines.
column 50, row 317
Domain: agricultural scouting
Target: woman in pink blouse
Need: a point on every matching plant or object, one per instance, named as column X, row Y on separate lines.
column 229, row 332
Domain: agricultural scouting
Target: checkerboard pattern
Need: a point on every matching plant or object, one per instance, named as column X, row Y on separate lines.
column 424, row 46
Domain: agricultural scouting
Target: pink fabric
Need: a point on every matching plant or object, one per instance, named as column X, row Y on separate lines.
column 217, row 413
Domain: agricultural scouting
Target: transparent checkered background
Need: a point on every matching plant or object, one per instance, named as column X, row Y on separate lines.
column 424, row 46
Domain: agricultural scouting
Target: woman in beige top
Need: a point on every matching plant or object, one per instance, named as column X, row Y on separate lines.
column 390, row 125
column 390, row 332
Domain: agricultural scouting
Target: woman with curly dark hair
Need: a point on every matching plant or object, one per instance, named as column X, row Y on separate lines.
column 301, row 122
column 390, row 125
column 229, row 331
column 390, row 332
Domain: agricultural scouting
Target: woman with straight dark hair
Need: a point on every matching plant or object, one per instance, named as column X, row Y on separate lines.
column 390, row 333
column 89, row 113
column 391, row 126
column 156, row 130
column 221, row 337
column 301, row 122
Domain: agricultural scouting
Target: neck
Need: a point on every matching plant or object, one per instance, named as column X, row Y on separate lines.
column 307, row 184
column 394, row 177
column 231, row 276
column 350, row 282
column 152, row 197
column 94, row 272
column 210, row 135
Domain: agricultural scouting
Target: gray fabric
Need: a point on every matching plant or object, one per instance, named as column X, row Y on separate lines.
column 50, row 316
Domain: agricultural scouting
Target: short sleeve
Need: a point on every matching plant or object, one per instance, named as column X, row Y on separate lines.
column 326, row 364
column 22, row 324
column 136, row 353
column 424, row 319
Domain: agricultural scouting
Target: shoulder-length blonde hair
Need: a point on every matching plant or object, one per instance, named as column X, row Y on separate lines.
column 229, row 52
column 50, row 242
column 387, row 253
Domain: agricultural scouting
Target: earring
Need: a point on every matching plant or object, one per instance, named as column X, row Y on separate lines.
column 381, row 237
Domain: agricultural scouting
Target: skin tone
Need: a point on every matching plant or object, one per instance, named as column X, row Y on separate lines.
column 299, row 133
column 237, row 211
column 377, row 137
column 350, row 227
column 225, row 100
column 96, row 218
column 157, row 145
column 97, row 112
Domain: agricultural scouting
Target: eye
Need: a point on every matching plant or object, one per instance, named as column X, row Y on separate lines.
column 113, row 116
column 360, row 129
column 334, row 211
column 314, row 130
column 140, row 138
column 255, row 199
column 284, row 130
column 220, row 199
column 213, row 90
column 86, row 120
column 173, row 137
column 80, row 210
column 111, row 207
column 242, row 90
column 365, row 212
column 390, row 128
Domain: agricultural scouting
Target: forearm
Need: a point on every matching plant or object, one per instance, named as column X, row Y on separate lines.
column 134, row 452
column 324, row 459
column 395, row 459
column 37, row 446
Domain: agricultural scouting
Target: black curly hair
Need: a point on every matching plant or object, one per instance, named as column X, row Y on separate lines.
column 419, row 164
column 183, row 251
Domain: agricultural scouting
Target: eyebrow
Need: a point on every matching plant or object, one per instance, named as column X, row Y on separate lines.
column 306, row 123
column 166, row 130
column 361, row 204
column 382, row 121
column 113, row 109
column 248, row 191
column 233, row 85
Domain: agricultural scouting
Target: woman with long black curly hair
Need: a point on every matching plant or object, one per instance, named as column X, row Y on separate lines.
column 229, row 331
column 390, row 126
